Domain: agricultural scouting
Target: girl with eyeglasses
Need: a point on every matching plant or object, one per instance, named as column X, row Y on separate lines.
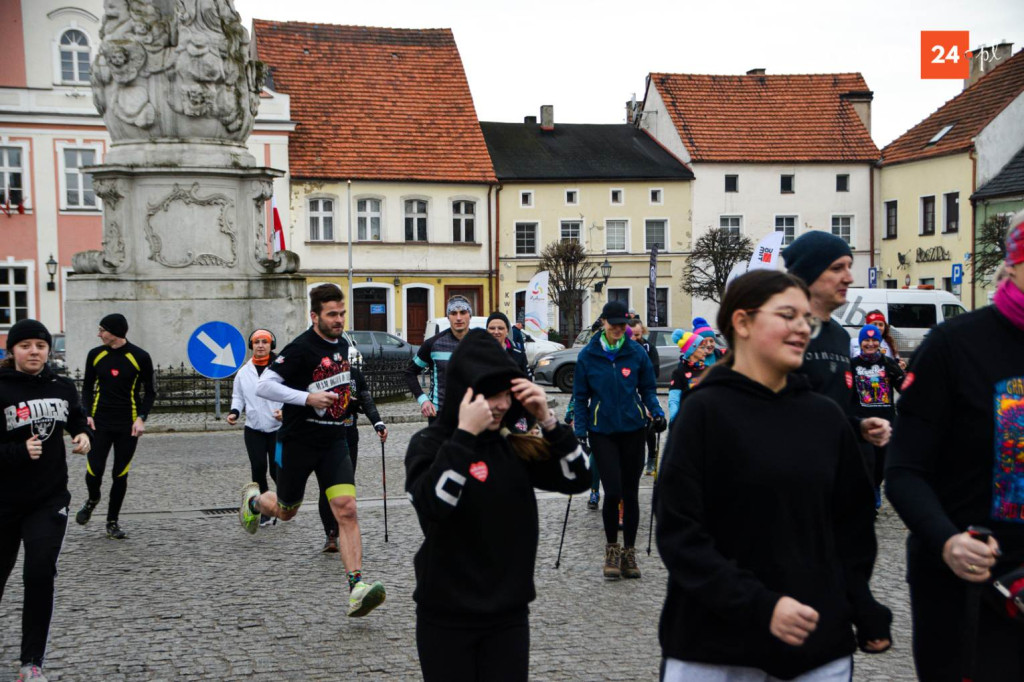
column 764, row 510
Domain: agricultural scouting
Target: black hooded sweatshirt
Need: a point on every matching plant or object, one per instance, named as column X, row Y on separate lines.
column 777, row 504
column 474, row 496
column 45, row 405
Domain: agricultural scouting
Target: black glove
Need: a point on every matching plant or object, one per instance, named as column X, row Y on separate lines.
column 584, row 444
column 379, row 427
column 659, row 423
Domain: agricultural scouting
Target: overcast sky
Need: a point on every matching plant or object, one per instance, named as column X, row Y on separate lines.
column 588, row 58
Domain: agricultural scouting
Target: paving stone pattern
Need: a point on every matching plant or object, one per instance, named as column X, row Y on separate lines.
column 192, row 597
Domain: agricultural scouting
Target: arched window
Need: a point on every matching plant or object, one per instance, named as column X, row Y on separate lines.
column 74, row 57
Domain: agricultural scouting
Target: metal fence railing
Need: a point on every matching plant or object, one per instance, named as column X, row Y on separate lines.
column 182, row 389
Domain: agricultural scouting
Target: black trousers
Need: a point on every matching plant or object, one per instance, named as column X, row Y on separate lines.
column 474, row 649
column 41, row 529
column 261, row 446
column 326, row 515
column 123, row 443
column 939, row 607
column 620, row 459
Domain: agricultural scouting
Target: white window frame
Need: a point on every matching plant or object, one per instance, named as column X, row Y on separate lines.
column 416, row 216
column 368, row 215
column 29, row 288
column 738, row 216
column 885, row 218
column 61, row 147
column 853, row 226
column 920, row 215
column 321, row 214
column 796, row 224
column 58, row 72
column 536, row 236
column 561, row 230
column 663, row 219
column 660, row 201
column 625, row 235
column 26, row 176
column 389, row 300
column 622, row 196
column 629, row 294
column 526, row 198
column 576, row 193
column 945, row 215
column 462, row 218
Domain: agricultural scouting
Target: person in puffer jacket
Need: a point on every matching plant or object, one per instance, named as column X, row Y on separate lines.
column 613, row 383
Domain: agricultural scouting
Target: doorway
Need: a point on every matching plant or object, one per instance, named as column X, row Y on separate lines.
column 370, row 309
column 416, row 312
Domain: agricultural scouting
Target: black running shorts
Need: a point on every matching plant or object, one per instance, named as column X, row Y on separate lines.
column 330, row 463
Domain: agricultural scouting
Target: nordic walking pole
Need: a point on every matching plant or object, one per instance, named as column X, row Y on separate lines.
column 384, row 481
column 654, row 491
column 558, row 561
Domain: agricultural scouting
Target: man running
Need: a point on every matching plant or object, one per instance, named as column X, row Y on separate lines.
column 433, row 355
column 312, row 378
column 118, row 393
column 823, row 261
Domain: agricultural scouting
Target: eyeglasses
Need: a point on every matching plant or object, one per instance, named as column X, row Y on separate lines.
column 793, row 320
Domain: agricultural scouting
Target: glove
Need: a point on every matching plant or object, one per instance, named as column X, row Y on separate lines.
column 379, row 427
column 659, row 423
column 584, row 444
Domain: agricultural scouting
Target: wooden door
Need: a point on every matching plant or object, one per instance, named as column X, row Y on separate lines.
column 416, row 314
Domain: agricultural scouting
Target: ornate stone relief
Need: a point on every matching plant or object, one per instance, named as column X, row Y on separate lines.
column 181, row 220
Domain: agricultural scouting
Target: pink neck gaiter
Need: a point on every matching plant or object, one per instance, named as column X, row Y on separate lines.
column 1009, row 300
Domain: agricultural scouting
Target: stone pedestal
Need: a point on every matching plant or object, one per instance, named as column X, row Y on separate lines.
column 182, row 246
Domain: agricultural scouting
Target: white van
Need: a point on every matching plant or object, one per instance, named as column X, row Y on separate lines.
column 910, row 312
column 534, row 348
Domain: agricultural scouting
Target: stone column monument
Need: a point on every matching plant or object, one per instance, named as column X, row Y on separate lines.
column 184, row 229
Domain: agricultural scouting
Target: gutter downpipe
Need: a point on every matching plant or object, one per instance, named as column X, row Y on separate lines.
column 973, row 155
column 871, row 213
column 496, row 288
column 349, row 202
column 491, row 255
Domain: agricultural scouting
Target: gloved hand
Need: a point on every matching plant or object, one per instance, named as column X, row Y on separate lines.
column 379, row 427
column 659, row 423
column 584, row 444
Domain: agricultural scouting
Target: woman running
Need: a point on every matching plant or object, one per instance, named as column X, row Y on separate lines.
column 764, row 517
column 37, row 406
column 498, row 327
column 471, row 483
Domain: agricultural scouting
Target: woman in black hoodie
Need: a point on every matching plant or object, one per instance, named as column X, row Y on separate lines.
column 765, row 517
column 471, row 483
column 37, row 406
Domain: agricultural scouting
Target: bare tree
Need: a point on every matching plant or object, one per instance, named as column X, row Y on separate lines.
column 989, row 248
column 714, row 254
column 570, row 274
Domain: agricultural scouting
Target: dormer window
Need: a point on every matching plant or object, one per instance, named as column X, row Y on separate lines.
column 74, row 57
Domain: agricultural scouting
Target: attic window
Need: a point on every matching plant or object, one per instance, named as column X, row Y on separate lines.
column 939, row 135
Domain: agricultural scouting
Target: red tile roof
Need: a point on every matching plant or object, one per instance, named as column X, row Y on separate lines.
column 375, row 103
column 968, row 113
column 767, row 118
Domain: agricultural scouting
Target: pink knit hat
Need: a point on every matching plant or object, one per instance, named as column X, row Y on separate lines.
column 1015, row 239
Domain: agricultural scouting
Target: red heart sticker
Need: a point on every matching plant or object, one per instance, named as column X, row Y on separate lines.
column 849, row 380
column 626, row 371
column 115, row 372
column 23, row 413
column 908, row 381
column 478, row 470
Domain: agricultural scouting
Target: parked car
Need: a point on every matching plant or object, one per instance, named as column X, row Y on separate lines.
column 58, row 357
column 354, row 356
column 535, row 348
column 382, row 344
column 910, row 312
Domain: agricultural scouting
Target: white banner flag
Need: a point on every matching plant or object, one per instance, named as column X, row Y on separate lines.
column 536, row 321
column 766, row 253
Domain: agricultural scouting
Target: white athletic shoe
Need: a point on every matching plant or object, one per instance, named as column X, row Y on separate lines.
column 31, row 672
column 365, row 598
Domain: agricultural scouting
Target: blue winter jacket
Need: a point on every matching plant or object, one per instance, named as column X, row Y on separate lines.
column 609, row 392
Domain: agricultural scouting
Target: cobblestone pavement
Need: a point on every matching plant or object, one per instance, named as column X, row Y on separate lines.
column 189, row 595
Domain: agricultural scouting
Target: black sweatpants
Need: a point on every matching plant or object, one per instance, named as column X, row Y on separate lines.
column 326, row 515
column 620, row 459
column 261, row 446
column 123, row 443
column 474, row 649
column 939, row 606
column 41, row 529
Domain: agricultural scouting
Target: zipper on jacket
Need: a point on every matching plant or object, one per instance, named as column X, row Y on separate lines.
column 595, row 412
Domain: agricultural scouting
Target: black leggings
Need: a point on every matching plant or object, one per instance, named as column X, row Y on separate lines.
column 651, row 436
column 261, row 446
column 41, row 529
column 124, row 444
column 620, row 459
column 474, row 651
column 326, row 515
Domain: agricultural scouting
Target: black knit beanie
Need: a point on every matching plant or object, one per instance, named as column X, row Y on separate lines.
column 116, row 324
column 811, row 254
column 499, row 316
column 28, row 329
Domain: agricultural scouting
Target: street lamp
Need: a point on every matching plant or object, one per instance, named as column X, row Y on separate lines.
column 51, row 268
column 606, row 272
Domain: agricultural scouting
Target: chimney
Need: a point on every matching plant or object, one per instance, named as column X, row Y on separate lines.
column 985, row 58
column 861, row 101
column 756, row 72
column 547, row 117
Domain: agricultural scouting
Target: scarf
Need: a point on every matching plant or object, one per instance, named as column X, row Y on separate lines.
column 1009, row 300
column 611, row 350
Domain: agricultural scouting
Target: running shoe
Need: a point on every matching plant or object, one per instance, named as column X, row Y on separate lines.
column 595, row 499
column 612, row 568
column 628, row 565
column 267, row 521
column 649, row 469
column 365, row 598
column 249, row 519
column 31, row 672
column 331, row 544
column 114, row 531
column 85, row 513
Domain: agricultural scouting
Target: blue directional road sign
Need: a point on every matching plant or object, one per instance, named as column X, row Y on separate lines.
column 872, row 278
column 216, row 349
column 958, row 273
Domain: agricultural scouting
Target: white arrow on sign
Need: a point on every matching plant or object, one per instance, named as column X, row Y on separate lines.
column 221, row 356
